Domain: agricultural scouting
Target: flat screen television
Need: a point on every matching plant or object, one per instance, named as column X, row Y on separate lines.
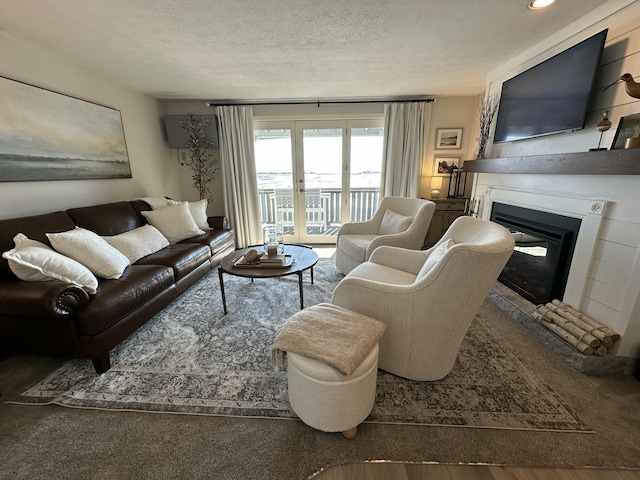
column 551, row 97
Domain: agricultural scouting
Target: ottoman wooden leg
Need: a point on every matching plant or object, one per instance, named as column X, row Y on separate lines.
column 351, row 433
column 292, row 412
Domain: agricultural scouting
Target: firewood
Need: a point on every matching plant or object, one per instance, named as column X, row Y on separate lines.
column 566, row 336
column 571, row 328
column 615, row 336
column 564, row 313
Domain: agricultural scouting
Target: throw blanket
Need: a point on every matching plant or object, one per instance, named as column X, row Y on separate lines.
column 330, row 334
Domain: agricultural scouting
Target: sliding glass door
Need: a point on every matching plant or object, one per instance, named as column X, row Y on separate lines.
column 315, row 175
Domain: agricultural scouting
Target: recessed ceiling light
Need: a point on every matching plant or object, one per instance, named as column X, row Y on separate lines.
column 536, row 4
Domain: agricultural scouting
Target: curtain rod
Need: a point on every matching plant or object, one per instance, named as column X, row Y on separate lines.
column 319, row 102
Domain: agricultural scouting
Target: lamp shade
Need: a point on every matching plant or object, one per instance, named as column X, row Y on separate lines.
column 436, row 183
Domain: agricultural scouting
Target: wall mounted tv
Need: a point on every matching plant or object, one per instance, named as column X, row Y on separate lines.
column 551, row 97
column 177, row 136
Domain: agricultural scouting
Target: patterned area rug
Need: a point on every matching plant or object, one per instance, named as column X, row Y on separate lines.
column 192, row 359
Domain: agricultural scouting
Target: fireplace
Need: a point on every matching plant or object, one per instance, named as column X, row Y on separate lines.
column 545, row 242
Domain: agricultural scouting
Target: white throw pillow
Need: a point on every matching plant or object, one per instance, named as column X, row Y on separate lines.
column 435, row 256
column 91, row 250
column 198, row 211
column 33, row 261
column 393, row 222
column 175, row 222
column 139, row 242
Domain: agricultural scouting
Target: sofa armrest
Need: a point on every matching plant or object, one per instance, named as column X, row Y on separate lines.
column 51, row 299
column 219, row 222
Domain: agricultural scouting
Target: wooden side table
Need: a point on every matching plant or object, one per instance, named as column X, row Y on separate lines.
column 447, row 210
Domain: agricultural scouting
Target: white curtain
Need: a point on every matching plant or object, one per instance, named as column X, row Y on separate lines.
column 404, row 127
column 239, row 173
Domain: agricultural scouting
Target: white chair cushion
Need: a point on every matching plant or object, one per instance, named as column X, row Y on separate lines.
column 175, row 222
column 435, row 257
column 33, row 261
column 139, row 242
column 393, row 222
column 383, row 274
column 355, row 246
column 91, row 250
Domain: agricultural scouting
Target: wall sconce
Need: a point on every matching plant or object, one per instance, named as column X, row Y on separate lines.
column 436, row 185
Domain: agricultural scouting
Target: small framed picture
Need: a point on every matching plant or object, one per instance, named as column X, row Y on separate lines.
column 445, row 165
column 448, row 138
column 628, row 127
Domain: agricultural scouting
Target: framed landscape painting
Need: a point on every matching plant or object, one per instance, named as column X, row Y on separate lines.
column 448, row 138
column 46, row 135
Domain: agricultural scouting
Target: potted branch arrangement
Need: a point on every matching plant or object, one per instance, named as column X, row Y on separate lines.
column 487, row 109
column 201, row 159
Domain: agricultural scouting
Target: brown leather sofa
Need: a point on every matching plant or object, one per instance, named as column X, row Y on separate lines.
column 61, row 319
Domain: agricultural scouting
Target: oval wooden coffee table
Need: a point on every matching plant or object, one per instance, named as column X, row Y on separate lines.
column 303, row 258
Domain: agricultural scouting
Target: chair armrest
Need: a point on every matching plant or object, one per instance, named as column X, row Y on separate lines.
column 219, row 222
column 358, row 228
column 400, row 258
column 52, row 299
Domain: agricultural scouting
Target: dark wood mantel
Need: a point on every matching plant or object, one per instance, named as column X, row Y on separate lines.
column 604, row 162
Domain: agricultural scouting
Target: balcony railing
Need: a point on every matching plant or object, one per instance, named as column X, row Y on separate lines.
column 364, row 203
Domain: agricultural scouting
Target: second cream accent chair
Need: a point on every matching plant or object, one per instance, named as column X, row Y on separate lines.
column 405, row 225
column 428, row 298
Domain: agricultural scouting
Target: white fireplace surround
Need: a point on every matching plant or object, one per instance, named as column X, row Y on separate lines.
column 604, row 274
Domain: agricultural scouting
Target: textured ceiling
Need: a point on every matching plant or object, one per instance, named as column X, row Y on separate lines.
column 289, row 49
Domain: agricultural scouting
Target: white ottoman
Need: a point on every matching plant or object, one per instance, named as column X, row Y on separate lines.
column 328, row 401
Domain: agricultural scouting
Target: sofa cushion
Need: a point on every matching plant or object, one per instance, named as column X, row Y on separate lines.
column 107, row 219
column 183, row 258
column 355, row 246
column 198, row 211
column 116, row 299
column 33, row 261
column 139, row 242
column 90, row 250
column 34, row 227
column 393, row 222
column 175, row 222
column 217, row 239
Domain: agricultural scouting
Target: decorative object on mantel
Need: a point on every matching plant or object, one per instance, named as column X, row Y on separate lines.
column 630, row 85
column 51, row 136
column 201, row 159
column 436, row 185
column 584, row 333
column 628, row 129
column 602, row 126
column 488, row 109
column 457, row 183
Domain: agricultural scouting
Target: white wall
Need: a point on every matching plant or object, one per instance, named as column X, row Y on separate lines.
column 605, row 279
column 153, row 172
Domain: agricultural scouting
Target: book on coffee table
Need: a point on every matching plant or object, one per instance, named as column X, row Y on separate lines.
column 273, row 260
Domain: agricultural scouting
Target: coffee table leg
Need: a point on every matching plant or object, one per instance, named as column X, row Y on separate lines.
column 311, row 275
column 224, row 299
column 301, row 294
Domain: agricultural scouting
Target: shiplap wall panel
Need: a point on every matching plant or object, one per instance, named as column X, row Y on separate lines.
column 610, row 274
column 605, row 294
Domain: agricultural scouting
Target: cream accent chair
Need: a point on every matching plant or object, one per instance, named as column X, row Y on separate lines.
column 357, row 240
column 427, row 299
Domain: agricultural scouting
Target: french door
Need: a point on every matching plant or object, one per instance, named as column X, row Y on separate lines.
column 315, row 175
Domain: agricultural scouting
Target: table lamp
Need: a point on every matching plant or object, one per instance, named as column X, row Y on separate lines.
column 436, row 185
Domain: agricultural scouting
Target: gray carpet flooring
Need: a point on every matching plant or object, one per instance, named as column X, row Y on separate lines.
column 51, row 442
